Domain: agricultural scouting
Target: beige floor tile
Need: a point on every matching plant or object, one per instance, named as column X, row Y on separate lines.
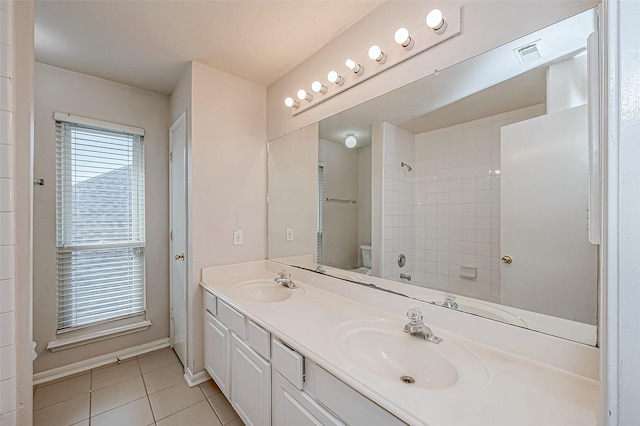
column 82, row 423
column 108, row 398
column 64, row 413
column 210, row 388
column 236, row 422
column 156, row 360
column 223, row 408
column 136, row 413
column 198, row 414
column 52, row 394
column 61, row 379
column 114, row 373
column 164, row 378
column 176, row 398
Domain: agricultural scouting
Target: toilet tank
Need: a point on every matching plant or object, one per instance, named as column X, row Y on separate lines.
column 366, row 255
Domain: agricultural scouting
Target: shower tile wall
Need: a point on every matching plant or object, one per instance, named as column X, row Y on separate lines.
column 457, row 205
column 398, row 202
column 7, row 222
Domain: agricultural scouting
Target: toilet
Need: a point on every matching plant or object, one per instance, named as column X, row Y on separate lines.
column 366, row 260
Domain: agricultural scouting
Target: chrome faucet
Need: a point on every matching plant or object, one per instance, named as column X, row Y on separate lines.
column 285, row 280
column 416, row 327
column 450, row 302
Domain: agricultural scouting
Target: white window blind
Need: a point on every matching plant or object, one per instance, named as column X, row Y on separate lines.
column 100, row 229
column 320, row 213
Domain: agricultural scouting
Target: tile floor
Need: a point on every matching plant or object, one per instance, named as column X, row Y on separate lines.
column 142, row 391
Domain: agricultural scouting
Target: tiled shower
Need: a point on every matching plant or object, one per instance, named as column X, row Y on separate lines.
column 444, row 214
column 7, row 221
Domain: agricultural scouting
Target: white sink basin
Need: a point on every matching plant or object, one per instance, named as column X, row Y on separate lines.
column 381, row 349
column 264, row 291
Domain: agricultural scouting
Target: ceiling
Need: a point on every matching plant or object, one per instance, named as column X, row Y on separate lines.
column 147, row 43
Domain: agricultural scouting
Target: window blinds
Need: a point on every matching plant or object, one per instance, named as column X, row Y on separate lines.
column 100, row 229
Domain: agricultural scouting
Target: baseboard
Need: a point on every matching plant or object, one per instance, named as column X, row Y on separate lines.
column 195, row 379
column 99, row 361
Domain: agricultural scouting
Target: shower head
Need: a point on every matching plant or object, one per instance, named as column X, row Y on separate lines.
column 403, row 164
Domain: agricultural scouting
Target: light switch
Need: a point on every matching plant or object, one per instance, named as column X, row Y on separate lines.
column 237, row 237
column 289, row 234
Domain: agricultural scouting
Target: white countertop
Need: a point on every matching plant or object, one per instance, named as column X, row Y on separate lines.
column 515, row 390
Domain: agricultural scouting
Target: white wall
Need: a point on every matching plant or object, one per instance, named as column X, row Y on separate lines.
column 227, row 152
column 59, row 90
column 293, row 193
column 340, row 233
column 480, row 33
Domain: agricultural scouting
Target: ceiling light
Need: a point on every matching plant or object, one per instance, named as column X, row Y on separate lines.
column 290, row 102
column 353, row 66
column 334, row 77
column 403, row 38
column 436, row 21
column 350, row 141
column 318, row 87
column 303, row 95
column 376, row 54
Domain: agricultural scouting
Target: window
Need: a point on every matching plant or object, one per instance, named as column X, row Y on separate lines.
column 320, row 213
column 100, row 230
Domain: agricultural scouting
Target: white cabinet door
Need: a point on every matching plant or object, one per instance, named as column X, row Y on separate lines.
column 216, row 352
column 250, row 384
column 292, row 407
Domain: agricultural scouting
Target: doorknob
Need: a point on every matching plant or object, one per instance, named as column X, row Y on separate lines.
column 506, row 259
column 180, row 256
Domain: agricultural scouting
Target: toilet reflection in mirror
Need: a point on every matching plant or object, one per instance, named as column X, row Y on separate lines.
column 498, row 148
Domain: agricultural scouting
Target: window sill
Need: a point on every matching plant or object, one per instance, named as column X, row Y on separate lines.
column 96, row 336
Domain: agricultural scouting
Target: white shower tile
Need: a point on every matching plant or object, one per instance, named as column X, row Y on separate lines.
column 6, row 195
column 7, row 329
column 7, row 228
column 6, row 27
column 7, row 260
column 6, row 161
column 7, row 295
column 6, row 62
column 8, row 364
column 6, row 128
column 8, row 392
column 6, row 94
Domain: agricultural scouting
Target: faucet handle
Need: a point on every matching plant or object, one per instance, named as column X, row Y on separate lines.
column 415, row 315
column 282, row 273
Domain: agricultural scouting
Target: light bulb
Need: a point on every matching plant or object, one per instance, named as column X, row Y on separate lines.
column 303, row 95
column 318, row 87
column 403, row 38
column 290, row 102
column 435, row 21
column 353, row 66
column 350, row 141
column 334, row 77
column 376, row 54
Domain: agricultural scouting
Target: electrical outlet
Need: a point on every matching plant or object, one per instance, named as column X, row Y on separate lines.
column 237, row 237
column 289, row 234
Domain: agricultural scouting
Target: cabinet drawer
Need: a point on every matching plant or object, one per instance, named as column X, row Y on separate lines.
column 258, row 339
column 232, row 319
column 349, row 404
column 288, row 362
column 209, row 302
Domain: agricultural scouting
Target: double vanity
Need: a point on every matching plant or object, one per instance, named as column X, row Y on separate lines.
column 301, row 348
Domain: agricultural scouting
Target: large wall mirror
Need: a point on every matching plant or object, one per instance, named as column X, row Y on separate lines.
column 469, row 188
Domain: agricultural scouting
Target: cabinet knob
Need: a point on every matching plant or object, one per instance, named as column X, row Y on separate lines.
column 180, row 256
column 506, row 259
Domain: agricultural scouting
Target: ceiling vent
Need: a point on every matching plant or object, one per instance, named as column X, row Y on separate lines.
column 528, row 53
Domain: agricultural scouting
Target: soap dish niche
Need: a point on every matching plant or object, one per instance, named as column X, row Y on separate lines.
column 468, row 271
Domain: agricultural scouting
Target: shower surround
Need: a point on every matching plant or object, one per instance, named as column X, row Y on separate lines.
column 445, row 213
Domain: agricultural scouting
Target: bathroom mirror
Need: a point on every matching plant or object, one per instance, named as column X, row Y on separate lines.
column 469, row 188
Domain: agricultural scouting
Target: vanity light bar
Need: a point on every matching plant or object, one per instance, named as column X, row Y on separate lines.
column 438, row 27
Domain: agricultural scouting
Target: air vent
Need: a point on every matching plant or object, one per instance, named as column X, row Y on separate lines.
column 529, row 53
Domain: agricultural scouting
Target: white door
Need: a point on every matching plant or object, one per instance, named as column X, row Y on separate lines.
column 178, row 235
column 543, row 217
